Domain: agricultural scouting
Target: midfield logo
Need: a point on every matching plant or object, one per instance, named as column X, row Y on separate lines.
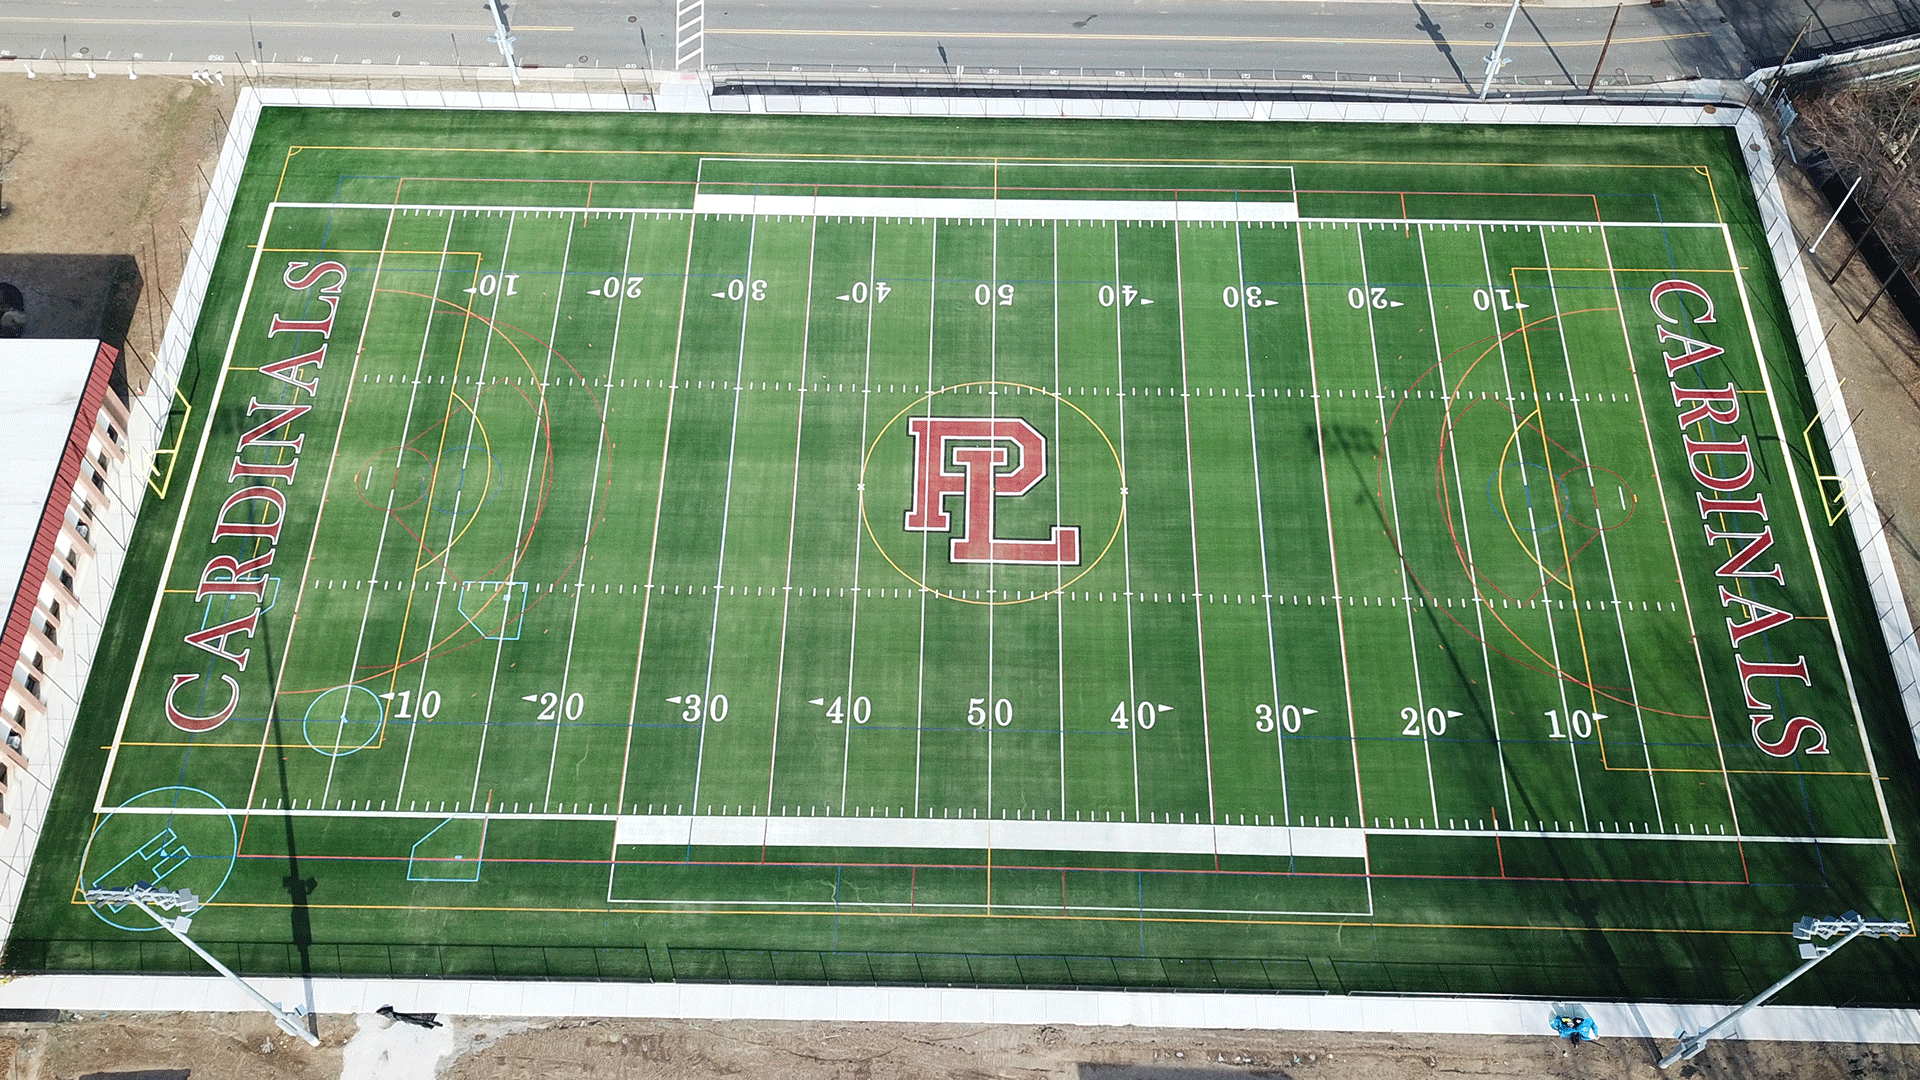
column 981, row 469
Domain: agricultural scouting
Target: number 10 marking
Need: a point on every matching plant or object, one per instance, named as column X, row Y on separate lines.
column 1579, row 722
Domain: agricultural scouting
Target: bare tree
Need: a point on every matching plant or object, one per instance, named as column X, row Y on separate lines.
column 1867, row 134
column 11, row 143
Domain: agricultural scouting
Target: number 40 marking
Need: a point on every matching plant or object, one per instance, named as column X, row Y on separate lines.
column 1144, row 714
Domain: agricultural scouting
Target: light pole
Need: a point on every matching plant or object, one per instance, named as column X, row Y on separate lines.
column 503, row 39
column 1497, row 60
column 141, row 894
column 1849, row 926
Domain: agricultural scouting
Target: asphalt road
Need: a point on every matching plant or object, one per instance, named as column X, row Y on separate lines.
column 1441, row 39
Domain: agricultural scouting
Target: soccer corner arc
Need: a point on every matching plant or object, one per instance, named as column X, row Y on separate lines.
column 724, row 719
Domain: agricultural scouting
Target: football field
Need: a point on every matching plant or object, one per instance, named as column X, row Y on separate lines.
column 737, row 555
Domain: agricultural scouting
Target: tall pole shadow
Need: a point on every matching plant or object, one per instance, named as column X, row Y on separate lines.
column 1427, row 26
column 299, row 888
column 1551, row 51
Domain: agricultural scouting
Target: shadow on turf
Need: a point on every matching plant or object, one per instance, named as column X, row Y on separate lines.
column 299, row 888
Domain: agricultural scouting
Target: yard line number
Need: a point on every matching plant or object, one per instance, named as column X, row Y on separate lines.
column 1485, row 300
column 1579, row 722
column 1250, row 295
column 1360, row 298
column 1142, row 716
column 695, row 708
column 838, row 713
column 403, row 704
column 985, row 294
column 614, row 288
column 1435, row 720
column 552, row 705
column 1288, row 717
column 1125, row 296
column 879, row 291
column 742, row 289
column 493, row 283
column 977, row 712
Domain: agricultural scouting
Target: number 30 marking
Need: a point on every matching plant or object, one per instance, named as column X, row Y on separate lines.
column 1290, row 717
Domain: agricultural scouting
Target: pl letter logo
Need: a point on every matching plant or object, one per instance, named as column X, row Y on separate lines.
column 996, row 458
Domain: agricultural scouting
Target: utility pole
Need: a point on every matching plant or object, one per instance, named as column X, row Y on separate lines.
column 141, row 894
column 1608, row 44
column 1498, row 60
column 1850, row 926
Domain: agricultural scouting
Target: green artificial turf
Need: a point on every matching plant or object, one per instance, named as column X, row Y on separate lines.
column 1395, row 653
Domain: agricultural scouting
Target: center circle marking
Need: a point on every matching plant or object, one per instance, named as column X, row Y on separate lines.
column 1119, row 518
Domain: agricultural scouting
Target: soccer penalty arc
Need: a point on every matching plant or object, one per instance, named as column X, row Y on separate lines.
column 253, row 515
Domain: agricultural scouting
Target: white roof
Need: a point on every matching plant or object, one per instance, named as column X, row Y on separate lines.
column 42, row 382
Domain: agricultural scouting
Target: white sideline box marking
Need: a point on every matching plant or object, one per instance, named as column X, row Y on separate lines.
column 997, row 209
column 980, row 834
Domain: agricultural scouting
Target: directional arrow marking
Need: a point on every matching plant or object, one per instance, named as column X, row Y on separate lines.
column 673, row 700
column 529, row 697
column 816, row 701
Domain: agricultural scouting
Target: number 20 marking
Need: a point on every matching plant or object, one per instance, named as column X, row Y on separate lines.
column 1436, row 720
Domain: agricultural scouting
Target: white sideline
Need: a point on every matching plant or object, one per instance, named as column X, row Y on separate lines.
column 984, row 833
column 954, row 1005
column 996, row 209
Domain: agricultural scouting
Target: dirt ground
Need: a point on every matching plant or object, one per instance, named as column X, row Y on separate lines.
column 247, row 1047
column 118, row 166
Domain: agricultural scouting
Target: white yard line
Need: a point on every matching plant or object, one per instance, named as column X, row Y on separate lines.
column 853, row 615
column 1333, row 549
column 1193, row 513
column 793, row 523
column 1606, row 555
column 1059, row 572
column 426, row 333
column 993, row 411
column 659, row 497
column 379, row 549
column 1126, row 530
column 593, row 491
column 520, row 525
column 1260, row 520
column 1673, row 546
column 726, row 512
column 1393, row 497
column 1466, row 534
column 920, row 667
column 996, row 209
column 1520, row 455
